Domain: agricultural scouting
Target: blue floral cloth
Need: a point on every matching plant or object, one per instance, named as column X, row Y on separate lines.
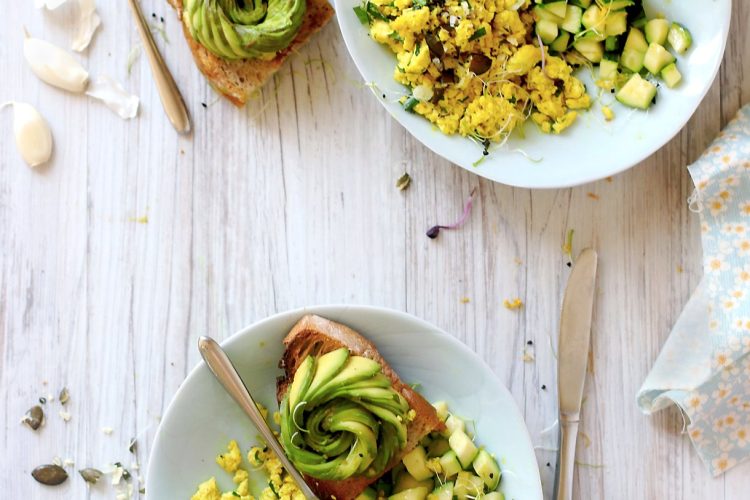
column 704, row 367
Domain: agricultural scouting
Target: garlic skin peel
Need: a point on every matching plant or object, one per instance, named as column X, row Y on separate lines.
column 113, row 96
column 54, row 65
column 88, row 22
column 33, row 135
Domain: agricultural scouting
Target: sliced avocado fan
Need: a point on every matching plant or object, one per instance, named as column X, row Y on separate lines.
column 341, row 417
column 242, row 29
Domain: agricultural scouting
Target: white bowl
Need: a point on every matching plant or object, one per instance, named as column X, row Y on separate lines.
column 202, row 418
column 592, row 149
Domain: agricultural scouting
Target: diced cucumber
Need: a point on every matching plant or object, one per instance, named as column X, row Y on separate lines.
column 453, row 423
column 416, row 463
column 464, row 447
column 632, row 60
column 636, row 41
column 590, row 49
column 486, row 467
column 419, row 493
column 584, row 4
column 547, row 31
column 594, row 18
column 368, row 494
column 671, row 75
column 494, row 495
column 614, row 5
column 572, row 21
column 561, row 42
column 468, row 485
column 443, row 492
column 616, row 23
column 607, row 70
column 656, row 31
column 542, row 13
column 450, row 464
column 558, row 8
column 406, row 481
column 656, row 58
column 612, row 43
column 438, row 447
column 441, row 407
column 637, row 93
column 679, row 38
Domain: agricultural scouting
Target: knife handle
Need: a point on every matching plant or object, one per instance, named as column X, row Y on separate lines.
column 566, row 458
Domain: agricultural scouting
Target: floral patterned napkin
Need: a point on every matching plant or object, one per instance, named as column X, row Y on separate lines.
column 704, row 367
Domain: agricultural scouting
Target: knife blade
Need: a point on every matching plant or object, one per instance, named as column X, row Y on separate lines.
column 572, row 358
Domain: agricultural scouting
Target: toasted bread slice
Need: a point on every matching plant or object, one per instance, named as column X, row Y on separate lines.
column 314, row 335
column 237, row 80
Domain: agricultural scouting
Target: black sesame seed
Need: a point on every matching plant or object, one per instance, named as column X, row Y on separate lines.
column 548, row 465
column 612, row 90
column 544, row 387
column 492, row 475
column 161, row 19
column 361, row 455
column 43, row 401
column 204, row 105
column 529, row 342
column 569, row 264
column 383, row 96
column 153, row 14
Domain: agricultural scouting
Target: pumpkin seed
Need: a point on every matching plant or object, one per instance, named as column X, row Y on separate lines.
column 34, row 417
column 64, row 396
column 50, row 474
column 480, row 64
column 90, row 475
column 403, row 182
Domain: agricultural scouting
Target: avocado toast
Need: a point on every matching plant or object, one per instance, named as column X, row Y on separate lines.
column 238, row 73
column 310, row 341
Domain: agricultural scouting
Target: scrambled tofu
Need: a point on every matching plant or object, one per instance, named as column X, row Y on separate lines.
column 475, row 68
column 280, row 485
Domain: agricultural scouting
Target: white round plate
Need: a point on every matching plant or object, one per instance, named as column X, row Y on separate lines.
column 592, row 148
column 202, row 418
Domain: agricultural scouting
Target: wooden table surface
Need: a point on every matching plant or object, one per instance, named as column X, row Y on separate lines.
column 134, row 241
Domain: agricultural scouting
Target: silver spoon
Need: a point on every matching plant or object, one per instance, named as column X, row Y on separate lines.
column 170, row 95
column 224, row 371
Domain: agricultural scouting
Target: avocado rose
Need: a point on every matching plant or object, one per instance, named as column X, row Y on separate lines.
column 242, row 29
column 341, row 417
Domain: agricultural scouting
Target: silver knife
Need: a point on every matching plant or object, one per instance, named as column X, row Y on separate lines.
column 572, row 358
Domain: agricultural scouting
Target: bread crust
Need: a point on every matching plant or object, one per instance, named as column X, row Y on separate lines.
column 238, row 80
column 314, row 335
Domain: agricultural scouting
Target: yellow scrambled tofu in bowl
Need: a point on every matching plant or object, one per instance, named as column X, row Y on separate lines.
column 279, row 485
column 475, row 67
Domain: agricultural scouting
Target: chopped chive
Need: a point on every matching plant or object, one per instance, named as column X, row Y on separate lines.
column 362, row 14
column 410, row 103
column 374, row 12
column 478, row 34
column 396, row 36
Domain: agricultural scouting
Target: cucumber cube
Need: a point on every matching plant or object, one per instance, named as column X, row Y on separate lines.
column 453, row 423
column 540, row 13
column 419, row 493
column 450, row 464
column 494, row 495
column 637, row 93
column 607, row 70
column 594, row 18
column 561, row 42
column 444, row 492
column 656, row 58
column 486, row 467
column 616, row 23
column 590, row 49
column 657, row 31
column 572, row 21
column 632, row 60
column 547, row 31
column 636, row 41
column 671, row 75
column 612, row 43
column 438, row 448
column 679, row 38
column 468, row 486
column 558, row 8
column 441, row 407
column 464, row 448
column 416, row 463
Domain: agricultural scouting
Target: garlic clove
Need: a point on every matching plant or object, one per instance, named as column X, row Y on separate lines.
column 54, row 65
column 88, row 22
column 113, row 96
column 33, row 135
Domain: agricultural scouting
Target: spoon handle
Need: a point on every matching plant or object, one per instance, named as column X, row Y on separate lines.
column 224, row 371
column 170, row 95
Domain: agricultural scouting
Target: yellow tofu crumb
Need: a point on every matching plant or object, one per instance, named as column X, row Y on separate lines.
column 231, row 460
column 609, row 115
column 207, row 490
column 513, row 304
